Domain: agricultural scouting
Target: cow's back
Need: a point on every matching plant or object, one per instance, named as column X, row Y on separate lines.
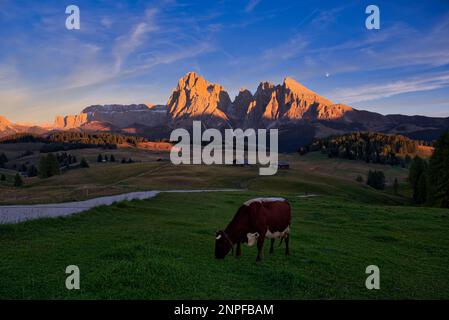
column 272, row 213
column 277, row 215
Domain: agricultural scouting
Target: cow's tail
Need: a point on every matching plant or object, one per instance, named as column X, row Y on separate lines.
column 283, row 237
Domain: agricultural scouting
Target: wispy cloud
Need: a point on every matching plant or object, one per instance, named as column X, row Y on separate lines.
column 128, row 43
column 252, row 4
column 291, row 48
column 150, row 42
column 373, row 91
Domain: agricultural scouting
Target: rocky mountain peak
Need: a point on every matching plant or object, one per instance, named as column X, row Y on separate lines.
column 70, row 121
column 191, row 80
column 293, row 85
column 241, row 104
column 264, row 89
column 244, row 94
column 196, row 98
column 302, row 92
column 4, row 121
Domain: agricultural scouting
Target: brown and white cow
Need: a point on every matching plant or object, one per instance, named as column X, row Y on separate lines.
column 254, row 221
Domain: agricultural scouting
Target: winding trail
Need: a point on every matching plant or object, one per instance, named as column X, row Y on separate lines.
column 19, row 213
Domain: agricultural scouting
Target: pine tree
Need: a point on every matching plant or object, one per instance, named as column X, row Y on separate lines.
column 84, row 164
column 417, row 168
column 3, row 160
column 438, row 173
column 407, row 160
column 421, row 194
column 396, row 186
column 43, row 168
column 376, row 179
column 18, row 182
column 48, row 166
column 32, row 171
column 23, row 168
column 53, row 165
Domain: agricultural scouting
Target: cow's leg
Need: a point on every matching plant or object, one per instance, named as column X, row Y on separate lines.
column 287, row 251
column 272, row 246
column 260, row 241
column 238, row 252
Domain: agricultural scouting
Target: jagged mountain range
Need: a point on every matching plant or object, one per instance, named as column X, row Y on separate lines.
column 299, row 113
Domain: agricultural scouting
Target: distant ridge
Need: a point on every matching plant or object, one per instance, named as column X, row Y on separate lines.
column 298, row 112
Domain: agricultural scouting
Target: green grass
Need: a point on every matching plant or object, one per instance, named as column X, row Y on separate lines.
column 312, row 173
column 163, row 249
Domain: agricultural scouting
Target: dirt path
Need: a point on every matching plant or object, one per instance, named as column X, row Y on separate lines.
column 15, row 214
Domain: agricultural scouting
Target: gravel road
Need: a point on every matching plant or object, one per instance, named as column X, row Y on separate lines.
column 18, row 213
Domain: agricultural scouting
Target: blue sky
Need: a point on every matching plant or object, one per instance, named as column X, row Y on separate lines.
column 135, row 51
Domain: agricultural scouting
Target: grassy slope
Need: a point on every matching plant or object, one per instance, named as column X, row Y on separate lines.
column 313, row 173
column 163, row 248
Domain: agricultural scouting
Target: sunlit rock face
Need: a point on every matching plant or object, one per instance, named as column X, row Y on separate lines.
column 114, row 116
column 8, row 128
column 194, row 98
column 289, row 102
column 4, row 122
column 300, row 114
column 70, row 121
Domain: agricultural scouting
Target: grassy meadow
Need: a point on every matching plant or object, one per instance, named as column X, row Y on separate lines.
column 162, row 248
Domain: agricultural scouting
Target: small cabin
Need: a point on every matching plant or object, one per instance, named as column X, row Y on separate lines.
column 240, row 163
column 283, row 165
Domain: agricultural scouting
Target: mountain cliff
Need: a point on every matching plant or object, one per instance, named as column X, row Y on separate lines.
column 298, row 112
column 7, row 128
column 70, row 121
column 197, row 99
column 288, row 102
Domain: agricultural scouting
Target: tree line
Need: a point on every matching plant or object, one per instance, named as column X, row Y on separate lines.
column 22, row 137
column 3, row 160
column 111, row 158
column 49, row 165
column 98, row 139
column 430, row 180
column 69, row 140
column 371, row 147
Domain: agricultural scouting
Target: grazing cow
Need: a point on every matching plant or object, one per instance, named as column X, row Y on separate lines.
column 254, row 221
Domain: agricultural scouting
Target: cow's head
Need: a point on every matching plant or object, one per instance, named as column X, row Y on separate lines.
column 222, row 245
